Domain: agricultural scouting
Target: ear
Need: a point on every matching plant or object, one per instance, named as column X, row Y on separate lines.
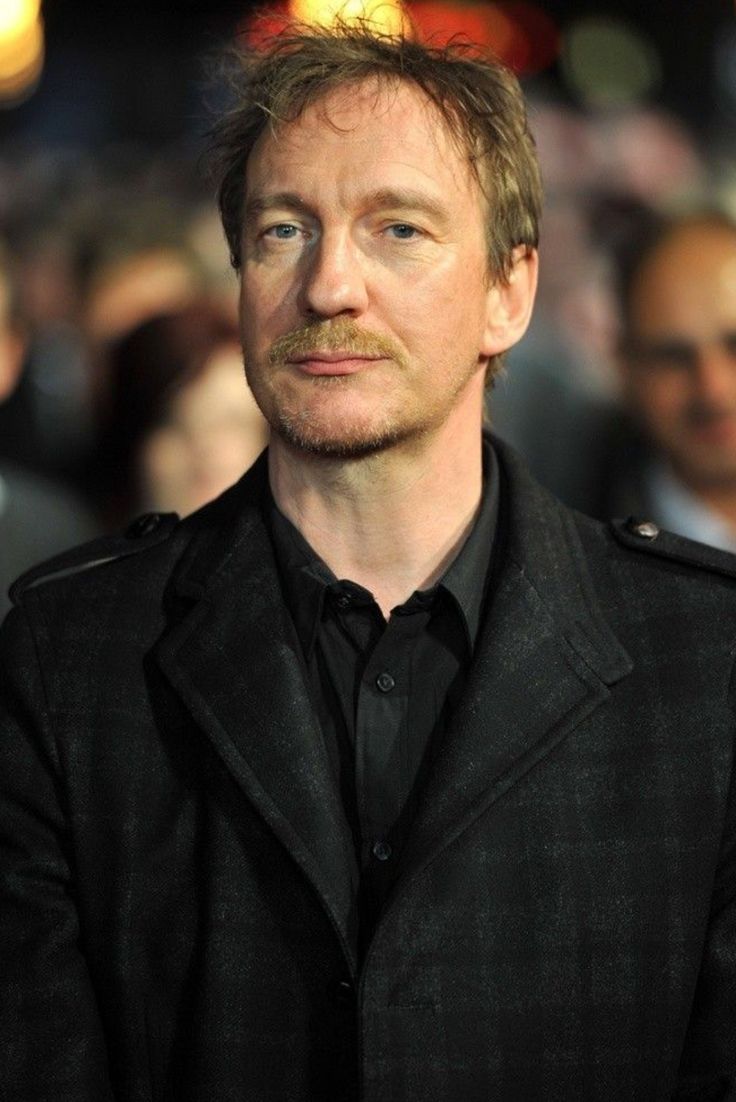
column 12, row 352
column 510, row 301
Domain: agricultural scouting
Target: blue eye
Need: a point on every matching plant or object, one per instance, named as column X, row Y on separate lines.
column 402, row 231
column 285, row 231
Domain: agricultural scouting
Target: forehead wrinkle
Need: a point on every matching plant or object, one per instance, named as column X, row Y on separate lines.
column 406, row 199
column 383, row 92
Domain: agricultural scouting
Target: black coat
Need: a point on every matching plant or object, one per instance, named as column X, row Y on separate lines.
column 177, row 909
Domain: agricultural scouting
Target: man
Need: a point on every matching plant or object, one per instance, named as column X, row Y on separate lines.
column 384, row 776
column 672, row 456
column 38, row 518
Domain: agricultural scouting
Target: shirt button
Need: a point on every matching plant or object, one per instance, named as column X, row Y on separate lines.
column 381, row 851
column 343, row 600
column 385, row 682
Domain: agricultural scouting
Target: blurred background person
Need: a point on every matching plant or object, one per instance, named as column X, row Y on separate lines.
column 666, row 451
column 678, row 375
column 607, row 174
column 38, row 518
column 178, row 424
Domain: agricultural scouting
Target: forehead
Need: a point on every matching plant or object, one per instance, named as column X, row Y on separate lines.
column 364, row 129
column 688, row 283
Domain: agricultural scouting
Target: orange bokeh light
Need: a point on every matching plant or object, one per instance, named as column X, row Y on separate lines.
column 386, row 16
column 439, row 22
column 21, row 61
column 257, row 30
column 520, row 33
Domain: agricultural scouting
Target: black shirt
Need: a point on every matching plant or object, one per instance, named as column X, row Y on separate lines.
column 383, row 690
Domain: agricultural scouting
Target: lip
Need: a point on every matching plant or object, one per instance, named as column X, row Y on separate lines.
column 332, row 363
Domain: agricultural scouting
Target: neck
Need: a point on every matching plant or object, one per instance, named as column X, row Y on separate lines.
column 717, row 495
column 392, row 521
column 721, row 500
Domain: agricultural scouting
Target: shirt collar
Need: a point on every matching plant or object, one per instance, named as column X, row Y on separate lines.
column 306, row 578
column 466, row 577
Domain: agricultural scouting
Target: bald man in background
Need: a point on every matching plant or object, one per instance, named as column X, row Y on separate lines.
column 671, row 458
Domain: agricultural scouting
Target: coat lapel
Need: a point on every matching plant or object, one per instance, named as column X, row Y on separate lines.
column 233, row 660
column 543, row 662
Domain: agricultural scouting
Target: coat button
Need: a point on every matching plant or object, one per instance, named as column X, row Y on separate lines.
column 143, row 526
column 644, row 529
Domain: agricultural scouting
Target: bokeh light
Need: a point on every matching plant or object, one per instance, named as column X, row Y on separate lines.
column 386, row 16
column 439, row 21
column 609, row 63
column 535, row 43
column 519, row 32
column 21, row 49
column 16, row 16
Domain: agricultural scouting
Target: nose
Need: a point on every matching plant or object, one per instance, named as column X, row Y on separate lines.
column 334, row 281
column 715, row 375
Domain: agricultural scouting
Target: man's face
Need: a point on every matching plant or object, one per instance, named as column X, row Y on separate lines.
column 680, row 370
column 365, row 285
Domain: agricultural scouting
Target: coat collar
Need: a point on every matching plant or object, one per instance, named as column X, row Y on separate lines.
column 544, row 660
column 233, row 658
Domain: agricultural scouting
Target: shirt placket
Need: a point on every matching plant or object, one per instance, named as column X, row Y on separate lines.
column 383, row 771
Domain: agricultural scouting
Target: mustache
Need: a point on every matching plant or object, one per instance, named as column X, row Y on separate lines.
column 338, row 335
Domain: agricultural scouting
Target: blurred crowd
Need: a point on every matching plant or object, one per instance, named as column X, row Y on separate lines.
column 121, row 380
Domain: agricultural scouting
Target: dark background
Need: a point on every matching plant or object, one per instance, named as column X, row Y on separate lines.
column 139, row 70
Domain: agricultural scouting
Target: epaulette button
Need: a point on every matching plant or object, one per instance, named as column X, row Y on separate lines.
column 644, row 529
column 143, row 526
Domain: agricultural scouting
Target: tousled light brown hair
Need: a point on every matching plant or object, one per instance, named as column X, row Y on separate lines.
column 477, row 97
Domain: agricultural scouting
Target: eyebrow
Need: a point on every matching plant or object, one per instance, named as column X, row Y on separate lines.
column 261, row 204
column 407, row 199
column 397, row 198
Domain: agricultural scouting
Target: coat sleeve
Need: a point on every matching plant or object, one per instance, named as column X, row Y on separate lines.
column 708, row 1066
column 51, row 1039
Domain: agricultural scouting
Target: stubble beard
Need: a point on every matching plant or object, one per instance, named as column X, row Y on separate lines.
column 305, row 428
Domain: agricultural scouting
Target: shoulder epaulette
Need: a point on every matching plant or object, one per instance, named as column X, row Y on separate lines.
column 646, row 536
column 145, row 531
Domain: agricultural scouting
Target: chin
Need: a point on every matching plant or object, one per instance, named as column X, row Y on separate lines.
column 721, row 477
column 342, row 446
column 707, row 470
column 343, row 441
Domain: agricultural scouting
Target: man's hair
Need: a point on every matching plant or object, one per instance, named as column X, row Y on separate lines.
column 477, row 97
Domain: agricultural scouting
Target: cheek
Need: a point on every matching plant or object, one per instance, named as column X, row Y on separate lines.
column 433, row 318
column 267, row 311
column 662, row 399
